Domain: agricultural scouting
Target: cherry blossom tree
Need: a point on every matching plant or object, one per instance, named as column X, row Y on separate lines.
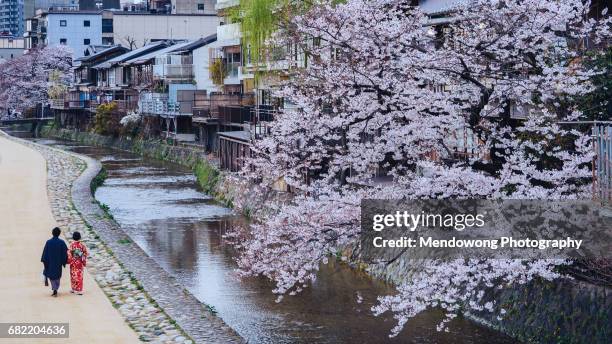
column 28, row 79
column 467, row 106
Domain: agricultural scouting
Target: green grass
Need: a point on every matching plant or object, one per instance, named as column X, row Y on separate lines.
column 98, row 180
column 207, row 176
column 211, row 309
column 106, row 209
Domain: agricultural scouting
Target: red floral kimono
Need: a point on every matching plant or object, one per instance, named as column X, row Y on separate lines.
column 77, row 258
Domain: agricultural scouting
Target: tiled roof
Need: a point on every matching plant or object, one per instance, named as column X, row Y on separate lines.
column 100, row 50
column 132, row 54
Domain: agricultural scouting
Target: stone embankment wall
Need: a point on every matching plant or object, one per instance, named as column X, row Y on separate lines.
column 218, row 184
column 183, row 155
column 559, row 311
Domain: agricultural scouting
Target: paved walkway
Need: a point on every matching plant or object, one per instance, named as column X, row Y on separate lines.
column 25, row 224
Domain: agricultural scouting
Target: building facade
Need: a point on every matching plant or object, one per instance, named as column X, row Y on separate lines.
column 31, row 6
column 92, row 5
column 11, row 17
column 11, row 47
column 135, row 29
column 193, row 7
column 74, row 29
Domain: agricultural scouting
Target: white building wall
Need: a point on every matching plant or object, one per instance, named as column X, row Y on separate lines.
column 201, row 64
column 193, row 7
column 9, row 54
column 11, row 48
column 146, row 28
column 74, row 32
column 228, row 35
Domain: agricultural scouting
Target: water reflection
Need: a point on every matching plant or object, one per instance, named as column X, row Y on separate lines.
column 160, row 207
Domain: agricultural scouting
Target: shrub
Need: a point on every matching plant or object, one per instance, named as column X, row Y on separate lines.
column 217, row 71
column 130, row 125
column 106, row 120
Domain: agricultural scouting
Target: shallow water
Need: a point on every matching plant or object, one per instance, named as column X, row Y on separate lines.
column 160, row 207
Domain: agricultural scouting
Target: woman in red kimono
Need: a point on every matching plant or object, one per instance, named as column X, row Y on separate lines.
column 77, row 258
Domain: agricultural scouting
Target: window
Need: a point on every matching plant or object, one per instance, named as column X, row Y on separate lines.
column 86, row 41
column 107, row 25
column 200, row 7
column 86, row 23
column 63, row 41
column 63, row 23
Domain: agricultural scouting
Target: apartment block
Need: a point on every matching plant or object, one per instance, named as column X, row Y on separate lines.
column 11, row 17
column 74, row 29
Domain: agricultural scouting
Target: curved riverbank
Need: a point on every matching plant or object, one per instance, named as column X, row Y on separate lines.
column 152, row 303
column 205, row 166
column 30, row 206
column 195, row 318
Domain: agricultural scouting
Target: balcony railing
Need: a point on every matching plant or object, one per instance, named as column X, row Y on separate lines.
column 261, row 121
column 125, row 105
column 58, row 103
column 63, row 104
column 260, row 130
column 234, row 114
column 169, row 71
column 246, row 114
column 208, row 106
column 78, row 104
column 159, row 107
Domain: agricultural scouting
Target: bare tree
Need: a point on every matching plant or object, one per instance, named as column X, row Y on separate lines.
column 131, row 41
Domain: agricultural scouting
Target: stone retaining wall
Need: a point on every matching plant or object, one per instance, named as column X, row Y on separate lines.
column 559, row 311
column 223, row 188
column 183, row 155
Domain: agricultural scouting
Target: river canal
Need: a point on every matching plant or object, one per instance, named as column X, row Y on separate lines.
column 161, row 208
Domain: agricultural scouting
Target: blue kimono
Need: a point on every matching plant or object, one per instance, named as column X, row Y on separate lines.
column 54, row 257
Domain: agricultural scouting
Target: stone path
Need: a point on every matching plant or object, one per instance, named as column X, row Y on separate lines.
column 25, row 222
column 152, row 302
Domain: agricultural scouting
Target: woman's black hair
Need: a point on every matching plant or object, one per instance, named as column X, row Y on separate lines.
column 76, row 236
column 56, row 231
